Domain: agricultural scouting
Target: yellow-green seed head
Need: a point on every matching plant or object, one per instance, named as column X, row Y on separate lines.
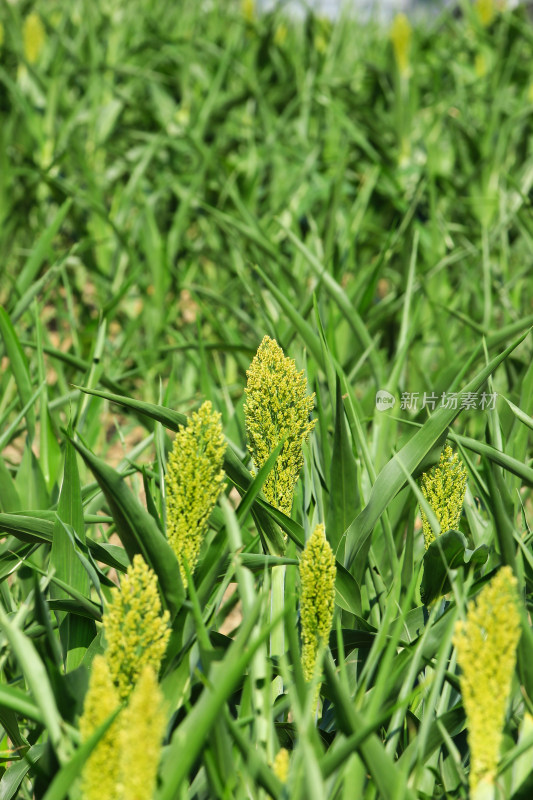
column 486, row 11
column 277, row 405
column 281, row 764
column 317, row 599
column 280, row 34
column 248, row 10
column 100, row 772
column 141, row 733
column 33, row 35
column 444, row 488
column 136, row 630
column 194, row 482
column 486, row 653
column 400, row 34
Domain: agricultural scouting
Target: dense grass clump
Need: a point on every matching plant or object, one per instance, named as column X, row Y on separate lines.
column 305, row 247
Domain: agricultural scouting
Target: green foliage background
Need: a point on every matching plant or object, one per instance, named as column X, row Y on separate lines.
column 175, row 182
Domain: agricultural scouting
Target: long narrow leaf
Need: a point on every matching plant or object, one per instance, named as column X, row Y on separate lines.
column 40, row 251
column 138, row 531
column 37, row 679
column 17, row 700
column 76, row 633
column 19, row 366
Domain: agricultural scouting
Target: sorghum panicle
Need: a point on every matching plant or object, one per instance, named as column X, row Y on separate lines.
column 33, row 35
column 141, row 733
column 281, row 764
column 136, row 630
column 277, row 405
column 100, row 772
column 248, row 10
column 400, row 34
column 317, row 599
column 486, row 653
column 486, row 11
column 194, row 482
column 444, row 488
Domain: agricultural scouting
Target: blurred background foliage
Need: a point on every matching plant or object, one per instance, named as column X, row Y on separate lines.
column 153, row 153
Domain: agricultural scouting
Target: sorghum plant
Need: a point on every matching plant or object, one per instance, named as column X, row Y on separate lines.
column 486, row 652
column 277, row 406
column 141, row 732
column 136, row 630
column 194, row 482
column 100, row 773
column 317, row 600
column 444, row 488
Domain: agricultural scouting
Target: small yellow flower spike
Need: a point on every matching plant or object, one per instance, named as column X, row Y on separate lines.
column 481, row 66
column 281, row 764
column 317, row 600
column 248, row 10
column 141, row 733
column 194, row 482
column 486, row 11
column 277, row 405
column 444, row 488
column 100, row 772
column 400, row 35
column 280, row 34
column 33, row 35
column 486, row 652
column 1, row 34
column 136, row 631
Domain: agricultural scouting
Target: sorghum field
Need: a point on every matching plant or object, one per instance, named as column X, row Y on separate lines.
column 266, row 398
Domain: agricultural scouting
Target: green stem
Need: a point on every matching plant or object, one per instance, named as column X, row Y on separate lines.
column 248, row 598
column 487, row 279
column 277, row 637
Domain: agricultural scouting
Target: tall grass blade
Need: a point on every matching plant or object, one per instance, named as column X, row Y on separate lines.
column 19, row 367
column 76, row 633
column 137, row 529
